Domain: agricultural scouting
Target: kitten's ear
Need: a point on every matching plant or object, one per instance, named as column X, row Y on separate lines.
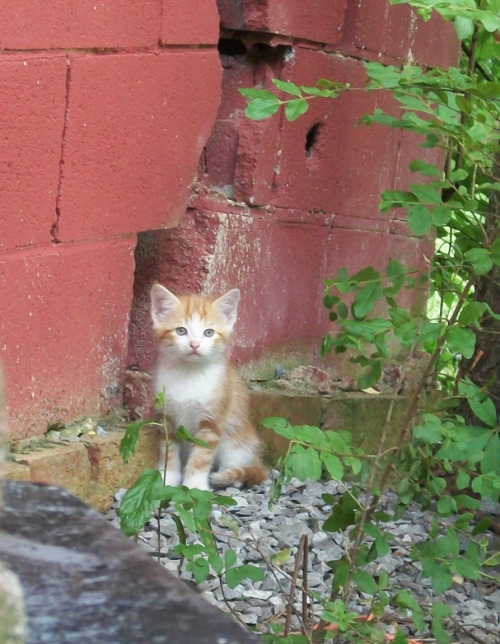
column 162, row 302
column 227, row 305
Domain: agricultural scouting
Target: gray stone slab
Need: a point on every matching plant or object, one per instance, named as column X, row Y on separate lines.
column 84, row 582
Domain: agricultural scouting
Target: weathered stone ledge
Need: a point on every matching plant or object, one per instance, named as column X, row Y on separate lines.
column 93, row 470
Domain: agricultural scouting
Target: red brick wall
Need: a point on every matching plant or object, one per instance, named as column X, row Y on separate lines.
column 274, row 218
column 106, row 108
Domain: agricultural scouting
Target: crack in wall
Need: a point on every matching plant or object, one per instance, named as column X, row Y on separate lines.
column 54, row 230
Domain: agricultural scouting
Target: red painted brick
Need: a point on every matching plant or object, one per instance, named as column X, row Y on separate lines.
column 130, row 154
column 33, row 97
column 346, row 167
column 25, row 24
column 63, row 330
column 434, row 43
column 318, row 21
column 374, row 28
column 185, row 24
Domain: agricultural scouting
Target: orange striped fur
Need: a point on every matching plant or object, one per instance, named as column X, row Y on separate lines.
column 203, row 392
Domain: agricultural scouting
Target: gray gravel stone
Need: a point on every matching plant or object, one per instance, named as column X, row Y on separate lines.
column 273, row 534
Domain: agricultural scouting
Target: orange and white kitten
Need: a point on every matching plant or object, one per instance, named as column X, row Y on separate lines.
column 203, row 392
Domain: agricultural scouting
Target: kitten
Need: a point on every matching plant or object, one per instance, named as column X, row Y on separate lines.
column 203, row 392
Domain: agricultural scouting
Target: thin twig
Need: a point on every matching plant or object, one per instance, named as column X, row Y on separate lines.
column 293, row 586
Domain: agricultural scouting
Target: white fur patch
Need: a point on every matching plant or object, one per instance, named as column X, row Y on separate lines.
column 198, row 480
column 188, row 391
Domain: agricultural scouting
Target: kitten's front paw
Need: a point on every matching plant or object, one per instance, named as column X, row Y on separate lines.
column 172, row 477
column 199, row 481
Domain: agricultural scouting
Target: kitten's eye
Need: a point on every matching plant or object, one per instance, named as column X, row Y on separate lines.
column 208, row 333
column 181, row 330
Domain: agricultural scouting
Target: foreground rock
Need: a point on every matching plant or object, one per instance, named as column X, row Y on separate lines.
column 85, row 583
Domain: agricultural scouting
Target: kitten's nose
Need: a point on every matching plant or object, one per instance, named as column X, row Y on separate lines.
column 194, row 344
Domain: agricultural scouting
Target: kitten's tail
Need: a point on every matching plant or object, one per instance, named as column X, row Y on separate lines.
column 239, row 476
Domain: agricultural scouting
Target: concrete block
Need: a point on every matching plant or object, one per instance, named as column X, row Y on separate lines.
column 33, row 99
column 63, row 330
column 82, row 24
column 138, row 398
column 297, row 410
column 63, row 465
column 375, row 29
column 327, row 163
column 130, row 155
column 108, row 472
column 13, row 471
column 293, row 18
column 434, row 43
column 276, row 259
column 364, row 416
column 182, row 25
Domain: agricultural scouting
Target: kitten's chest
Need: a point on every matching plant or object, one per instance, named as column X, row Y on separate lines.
column 190, row 395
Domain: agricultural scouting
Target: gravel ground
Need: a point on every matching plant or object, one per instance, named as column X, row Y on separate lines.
column 257, row 533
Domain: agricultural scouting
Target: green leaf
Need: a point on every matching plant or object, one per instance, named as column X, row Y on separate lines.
column 495, row 252
column 463, row 480
column 480, row 260
column 317, row 91
column 491, row 459
column 262, row 108
column 183, row 434
column 400, row 637
column 441, row 215
column 310, row 434
column 425, row 168
column 333, row 466
column 365, row 299
column 365, row 582
column 216, row 563
column 464, row 27
column 285, row 86
column 279, row 426
column 140, row 501
column 431, row 431
column 235, row 575
column 419, row 219
column 129, row 441
column 230, row 558
column 281, row 557
column 489, row 20
column 472, row 313
column 461, row 341
column 304, row 463
column 484, row 410
column 199, row 568
column 343, row 514
column 372, row 376
column 295, row 108
column 463, row 566
column 441, row 577
column 254, row 92
column 426, row 194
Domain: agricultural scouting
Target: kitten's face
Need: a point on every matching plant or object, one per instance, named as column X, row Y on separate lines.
column 192, row 329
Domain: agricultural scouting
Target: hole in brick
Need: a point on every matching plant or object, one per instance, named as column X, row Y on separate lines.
column 269, row 55
column 312, row 137
column 231, row 47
